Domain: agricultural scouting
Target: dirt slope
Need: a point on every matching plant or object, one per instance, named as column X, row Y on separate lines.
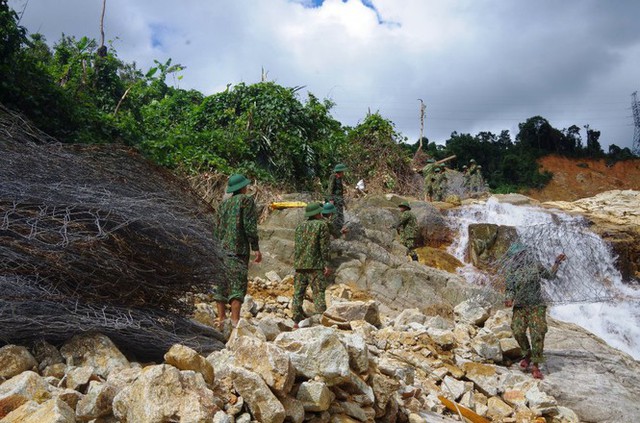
column 579, row 178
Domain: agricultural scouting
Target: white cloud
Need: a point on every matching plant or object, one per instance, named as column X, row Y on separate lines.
column 477, row 65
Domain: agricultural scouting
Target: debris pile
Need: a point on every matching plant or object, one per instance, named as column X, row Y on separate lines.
column 97, row 237
column 351, row 364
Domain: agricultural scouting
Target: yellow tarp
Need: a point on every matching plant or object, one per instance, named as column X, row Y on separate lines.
column 287, row 204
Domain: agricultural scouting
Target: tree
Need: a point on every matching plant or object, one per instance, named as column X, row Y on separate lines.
column 573, row 139
column 593, row 143
column 538, row 135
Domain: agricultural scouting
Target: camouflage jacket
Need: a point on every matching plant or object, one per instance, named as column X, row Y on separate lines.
column 311, row 249
column 335, row 190
column 524, row 285
column 407, row 226
column 237, row 225
column 334, row 230
column 427, row 171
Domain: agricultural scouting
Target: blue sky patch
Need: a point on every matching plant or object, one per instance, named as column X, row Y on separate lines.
column 314, row 4
column 159, row 33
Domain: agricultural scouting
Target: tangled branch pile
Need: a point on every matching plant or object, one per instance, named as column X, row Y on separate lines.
column 90, row 231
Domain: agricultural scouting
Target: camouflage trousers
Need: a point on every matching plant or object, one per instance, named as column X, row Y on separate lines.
column 236, row 289
column 301, row 281
column 338, row 221
column 410, row 244
column 534, row 318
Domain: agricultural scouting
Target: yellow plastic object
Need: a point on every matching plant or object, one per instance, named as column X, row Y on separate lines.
column 287, row 204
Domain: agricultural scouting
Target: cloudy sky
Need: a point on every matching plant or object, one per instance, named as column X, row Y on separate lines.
column 478, row 65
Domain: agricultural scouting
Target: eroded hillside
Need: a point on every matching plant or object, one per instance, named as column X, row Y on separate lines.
column 579, row 178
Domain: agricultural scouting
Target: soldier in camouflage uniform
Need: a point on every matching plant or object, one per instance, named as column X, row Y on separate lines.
column 311, row 260
column 439, row 184
column 428, row 172
column 407, row 228
column 329, row 215
column 473, row 173
column 237, row 230
column 335, row 194
column 524, row 294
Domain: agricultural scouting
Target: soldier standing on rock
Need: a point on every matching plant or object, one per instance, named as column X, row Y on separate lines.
column 311, row 261
column 407, row 227
column 524, row 294
column 237, row 229
column 335, row 194
column 329, row 216
column 427, row 172
column 440, row 183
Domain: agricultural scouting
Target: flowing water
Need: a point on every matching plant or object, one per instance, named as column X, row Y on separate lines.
column 588, row 290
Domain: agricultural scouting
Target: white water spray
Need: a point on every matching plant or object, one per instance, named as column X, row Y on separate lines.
column 588, row 290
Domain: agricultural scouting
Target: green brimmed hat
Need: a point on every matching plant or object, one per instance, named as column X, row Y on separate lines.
column 237, row 182
column 340, row 167
column 515, row 248
column 437, row 169
column 472, row 161
column 312, row 209
column 328, row 208
column 405, row 204
column 431, row 160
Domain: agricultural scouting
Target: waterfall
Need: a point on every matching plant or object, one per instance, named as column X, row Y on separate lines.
column 588, row 290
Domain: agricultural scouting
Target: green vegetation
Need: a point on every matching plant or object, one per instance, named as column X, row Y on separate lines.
column 81, row 93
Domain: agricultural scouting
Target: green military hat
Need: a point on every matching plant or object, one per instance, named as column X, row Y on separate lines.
column 431, row 160
column 437, row 169
column 465, row 167
column 237, row 182
column 328, row 208
column 405, row 204
column 472, row 161
column 340, row 167
column 312, row 209
column 515, row 248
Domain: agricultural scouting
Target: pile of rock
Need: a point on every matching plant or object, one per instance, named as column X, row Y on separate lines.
column 350, row 365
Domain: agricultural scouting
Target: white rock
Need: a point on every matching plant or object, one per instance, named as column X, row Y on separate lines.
column 315, row 396
column 95, row 350
column 185, row 358
column 471, row 311
column 330, row 356
column 164, row 393
column 15, row 359
column 262, row 402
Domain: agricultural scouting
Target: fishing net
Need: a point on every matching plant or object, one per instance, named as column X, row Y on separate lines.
column 587, row 274
column 101, row 227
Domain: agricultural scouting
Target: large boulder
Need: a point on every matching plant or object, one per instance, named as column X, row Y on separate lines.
column 94, row 350
column 488, row 242
column 164, row 393
column 264, row 405
column 20, row 389
column 185, row 358
column 370, row 256
column 598, row 382
column 330, row 357
column 52, row 411
column 14, row 360
column 269, row 361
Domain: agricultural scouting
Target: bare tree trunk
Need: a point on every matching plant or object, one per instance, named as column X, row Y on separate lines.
column 104, row 6
column 102, row 50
